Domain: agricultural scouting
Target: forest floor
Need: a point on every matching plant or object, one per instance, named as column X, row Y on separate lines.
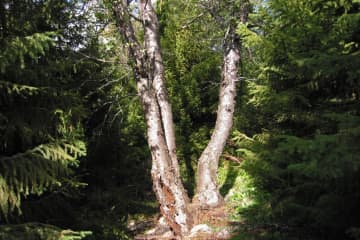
column 212, row 223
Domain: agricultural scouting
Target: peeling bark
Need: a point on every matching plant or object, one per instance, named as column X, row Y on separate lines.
column 152, row 45
column 149, row 75
column 168, row 189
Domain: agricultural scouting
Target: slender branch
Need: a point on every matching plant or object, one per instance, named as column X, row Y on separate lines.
column 95, row 58
column 192, row 20
column 135, row 17
column 232, row 158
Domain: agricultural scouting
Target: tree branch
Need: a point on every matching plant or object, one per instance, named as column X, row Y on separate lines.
column 192, row 20
column 135, row 18
column 95, row 58
column 232, row 158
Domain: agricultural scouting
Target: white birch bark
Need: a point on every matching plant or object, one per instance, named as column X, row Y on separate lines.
column 151, row 89
column 148, row 69
column 152, row 45
column 207, row 192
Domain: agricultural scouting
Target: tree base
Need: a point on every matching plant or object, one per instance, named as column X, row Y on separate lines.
column 217, row 226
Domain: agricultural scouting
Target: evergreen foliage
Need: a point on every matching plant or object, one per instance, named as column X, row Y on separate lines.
column 35, row 171
column 41, row 135
column 306, row 101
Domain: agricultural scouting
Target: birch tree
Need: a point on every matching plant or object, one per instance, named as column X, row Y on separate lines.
column 145, row 57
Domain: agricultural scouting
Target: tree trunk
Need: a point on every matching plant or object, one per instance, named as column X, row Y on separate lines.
column 207, row 192
column 146, row 61
column 149, row 75
column 167, row 186
column 152, row 45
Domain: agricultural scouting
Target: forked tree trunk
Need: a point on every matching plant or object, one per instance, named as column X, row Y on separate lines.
column 147, row 64
column 149, row 74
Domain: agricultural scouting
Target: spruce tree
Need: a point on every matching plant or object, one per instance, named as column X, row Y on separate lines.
column 303, row 111
column 41, row 112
